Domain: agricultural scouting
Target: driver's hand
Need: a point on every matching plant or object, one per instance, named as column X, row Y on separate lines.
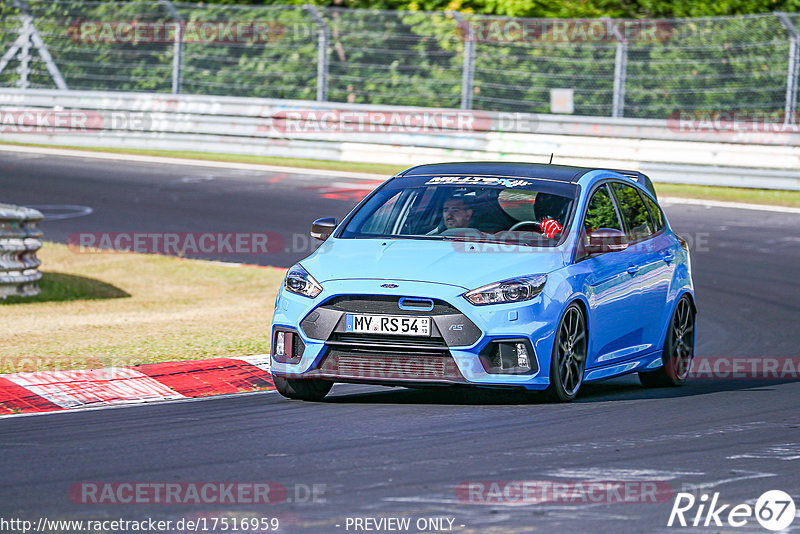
column 550, row 227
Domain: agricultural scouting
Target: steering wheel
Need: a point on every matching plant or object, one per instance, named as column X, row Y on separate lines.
column 525, row 223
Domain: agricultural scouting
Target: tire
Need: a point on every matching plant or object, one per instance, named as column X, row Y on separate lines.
column 568, row 361
column 300, row 389
column 678, row 349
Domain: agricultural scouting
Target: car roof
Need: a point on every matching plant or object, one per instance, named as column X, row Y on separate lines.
column 541, row 171
column 560, row 173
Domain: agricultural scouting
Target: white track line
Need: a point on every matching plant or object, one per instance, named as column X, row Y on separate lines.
column 322, row 172
column 189, row 162
column 730, row 205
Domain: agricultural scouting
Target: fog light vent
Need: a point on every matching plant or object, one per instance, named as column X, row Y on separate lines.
column 287, row 346
column 508, row 357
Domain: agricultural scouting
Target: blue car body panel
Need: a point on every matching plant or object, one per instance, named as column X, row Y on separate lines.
column 430, row 261
column 628, row 297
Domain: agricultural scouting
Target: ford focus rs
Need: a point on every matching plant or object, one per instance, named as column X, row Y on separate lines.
column 541, row 277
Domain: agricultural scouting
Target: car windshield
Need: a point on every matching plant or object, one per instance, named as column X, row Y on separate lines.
column 520, row 211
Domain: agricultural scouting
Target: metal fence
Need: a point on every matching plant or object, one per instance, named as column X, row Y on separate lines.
column 19, row 241
column 450, row 60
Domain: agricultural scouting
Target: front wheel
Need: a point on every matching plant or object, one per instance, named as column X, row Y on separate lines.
column 678, row 349
column 569, row 356
column 307, row 389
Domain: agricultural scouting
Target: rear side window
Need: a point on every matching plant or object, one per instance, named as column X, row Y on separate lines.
column 601, row 213
column 633, row 211
column 655, row 213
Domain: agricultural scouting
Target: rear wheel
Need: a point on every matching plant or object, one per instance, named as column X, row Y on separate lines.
column 569, row 356
column 678, row 349
column 307, row 390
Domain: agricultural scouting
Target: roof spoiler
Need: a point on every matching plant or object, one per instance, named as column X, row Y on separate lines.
column 639, row 177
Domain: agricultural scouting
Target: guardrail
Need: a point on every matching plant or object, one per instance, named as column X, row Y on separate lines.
column 19, row 241
column 400, row 135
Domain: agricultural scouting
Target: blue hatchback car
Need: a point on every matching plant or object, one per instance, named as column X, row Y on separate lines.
column 488, row 274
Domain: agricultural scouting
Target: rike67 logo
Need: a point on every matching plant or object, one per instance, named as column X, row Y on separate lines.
column 774, row 510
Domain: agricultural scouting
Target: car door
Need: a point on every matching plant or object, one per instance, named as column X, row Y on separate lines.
column 649, row 253
column 614, row 326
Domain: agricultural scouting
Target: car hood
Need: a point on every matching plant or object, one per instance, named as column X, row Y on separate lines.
column 464, row 264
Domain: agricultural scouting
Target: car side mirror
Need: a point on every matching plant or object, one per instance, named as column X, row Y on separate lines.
column 606, row 240
column 323, row 228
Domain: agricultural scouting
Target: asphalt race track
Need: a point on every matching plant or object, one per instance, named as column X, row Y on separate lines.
column 383, row 453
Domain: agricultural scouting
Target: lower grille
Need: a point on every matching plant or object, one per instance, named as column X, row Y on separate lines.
column 402, row 346
column 382, row 367
column 368, row 339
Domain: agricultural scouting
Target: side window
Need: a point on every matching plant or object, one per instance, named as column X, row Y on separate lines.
column 655, row 213
column 633, row 212
column 380, row 221
column 601, row 213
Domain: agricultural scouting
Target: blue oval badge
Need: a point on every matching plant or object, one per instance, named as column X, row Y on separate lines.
column 389, row 286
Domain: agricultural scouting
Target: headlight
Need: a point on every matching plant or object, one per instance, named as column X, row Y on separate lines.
column 513, row 290
column 299, row 281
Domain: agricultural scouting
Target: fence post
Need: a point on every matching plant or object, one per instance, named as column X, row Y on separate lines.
column 322, row 52
column 29, row 36
column 620, row 74
column 468, row 67
column 177, row 47
column 790, row 109
column 24, row 67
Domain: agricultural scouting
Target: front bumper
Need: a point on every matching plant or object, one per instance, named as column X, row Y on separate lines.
column 460, row 334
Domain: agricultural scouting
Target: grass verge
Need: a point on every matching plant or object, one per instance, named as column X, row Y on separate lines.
column 102, row 310
column 377, row 168
column 771, row 197
column 730, row 194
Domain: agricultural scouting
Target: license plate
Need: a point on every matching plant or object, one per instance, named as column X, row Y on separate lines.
column 388, row 324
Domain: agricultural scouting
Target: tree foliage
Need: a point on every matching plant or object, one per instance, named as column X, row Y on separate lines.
column 561, row 8
column 414, row 56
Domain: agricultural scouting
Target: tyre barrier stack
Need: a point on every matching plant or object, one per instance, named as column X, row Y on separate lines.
column 19, row 241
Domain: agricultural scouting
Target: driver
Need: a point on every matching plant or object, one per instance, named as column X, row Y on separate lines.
column 456, row 213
